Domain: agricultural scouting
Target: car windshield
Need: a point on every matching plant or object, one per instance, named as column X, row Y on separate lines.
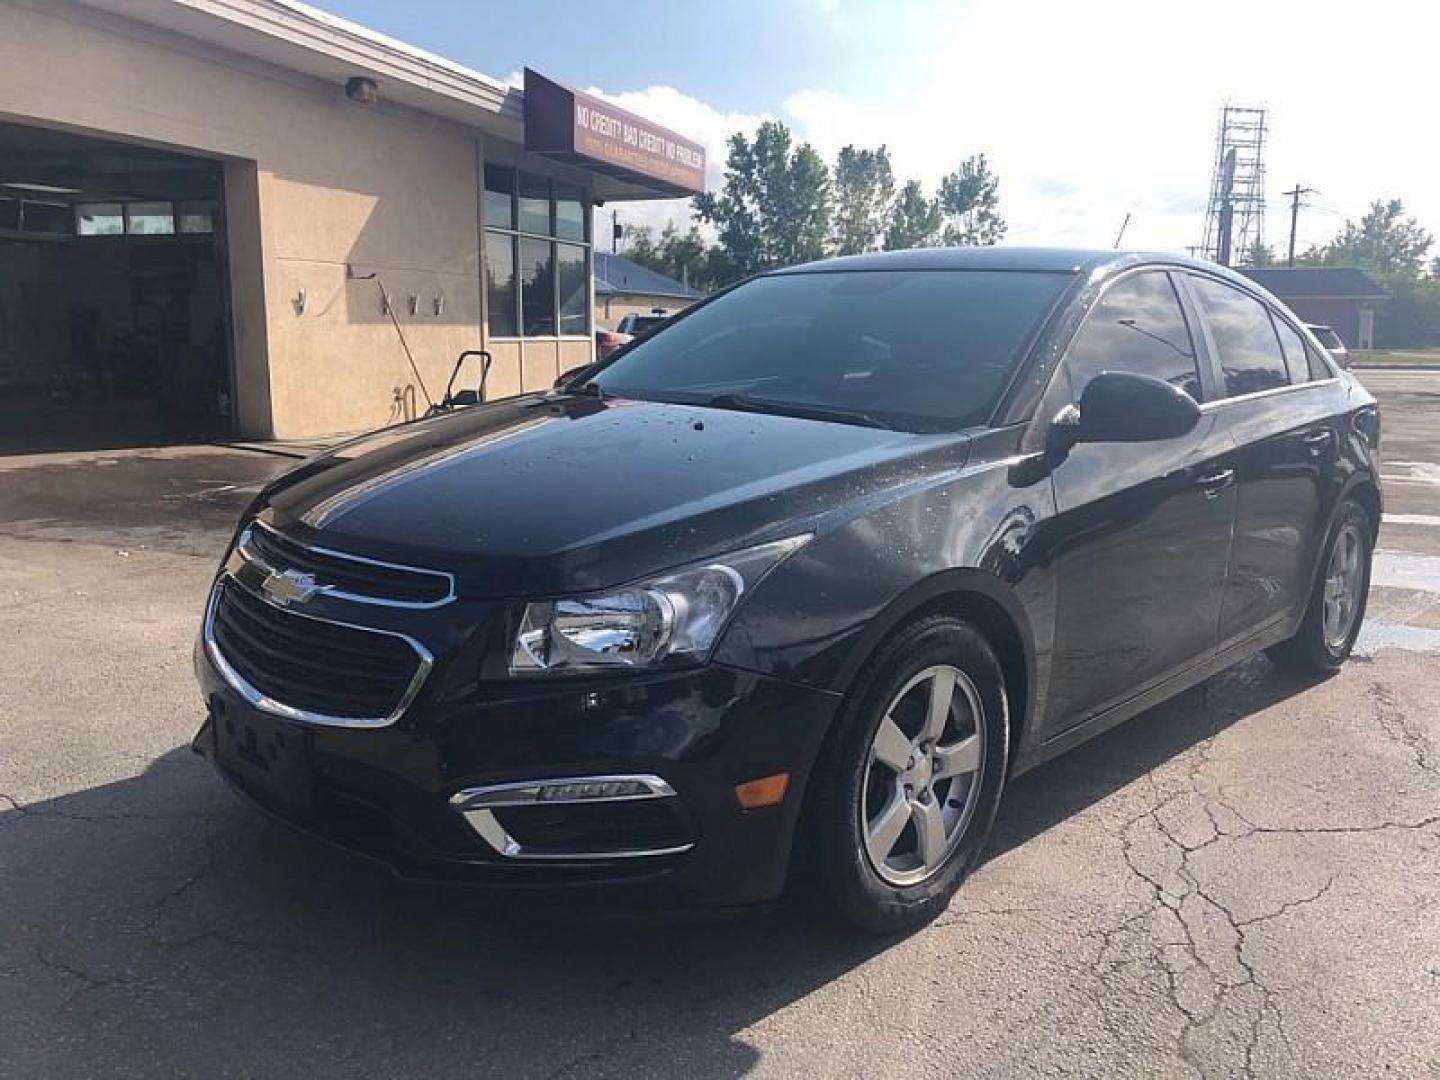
column 915, row 350
column 644, row 323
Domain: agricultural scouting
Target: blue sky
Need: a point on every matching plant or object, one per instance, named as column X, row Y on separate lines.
column 738, row 55
column 1087, row 111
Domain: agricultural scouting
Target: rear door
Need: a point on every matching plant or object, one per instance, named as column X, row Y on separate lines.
column 1287, row 446
column 1142, row 529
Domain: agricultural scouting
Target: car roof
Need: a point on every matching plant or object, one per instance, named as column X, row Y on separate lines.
column 1039, row 259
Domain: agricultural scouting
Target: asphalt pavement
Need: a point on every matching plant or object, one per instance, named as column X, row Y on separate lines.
column 1244, row 881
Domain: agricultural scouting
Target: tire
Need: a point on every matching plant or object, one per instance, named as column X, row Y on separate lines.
column 856, row 791
column 1317, row 647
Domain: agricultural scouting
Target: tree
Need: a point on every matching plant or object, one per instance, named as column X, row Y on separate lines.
column 864, row 185
column 775, row 207
column 1384, row 241
column 1260, row 255
column 640, row 246
column 915, row 220
column 970, row 200
column 684, row 256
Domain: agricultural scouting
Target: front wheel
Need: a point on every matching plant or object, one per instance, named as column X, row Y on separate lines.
column 1332, row 620
column 909, row 788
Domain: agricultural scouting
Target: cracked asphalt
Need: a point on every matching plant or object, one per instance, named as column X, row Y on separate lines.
column 1244, row 881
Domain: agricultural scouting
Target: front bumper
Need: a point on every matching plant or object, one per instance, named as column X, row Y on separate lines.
column 414, row 795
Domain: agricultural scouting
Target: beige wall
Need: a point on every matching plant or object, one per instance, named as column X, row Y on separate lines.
column 314, row 183
column 610, row 310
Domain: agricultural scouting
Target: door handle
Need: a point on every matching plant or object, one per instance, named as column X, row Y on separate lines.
column 1319, row 438
column 1212, row 484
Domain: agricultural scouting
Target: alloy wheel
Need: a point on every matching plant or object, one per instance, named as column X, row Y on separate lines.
column 922, row 779
column 1344, row 580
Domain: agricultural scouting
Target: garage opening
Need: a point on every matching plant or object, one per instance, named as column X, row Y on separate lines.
column 114, row 327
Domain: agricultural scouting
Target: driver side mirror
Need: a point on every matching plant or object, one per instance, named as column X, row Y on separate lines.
column 1121, row 406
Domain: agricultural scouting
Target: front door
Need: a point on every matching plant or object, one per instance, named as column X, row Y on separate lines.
column 1142, row 530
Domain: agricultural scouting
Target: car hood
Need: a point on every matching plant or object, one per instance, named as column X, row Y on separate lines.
column 539, row 495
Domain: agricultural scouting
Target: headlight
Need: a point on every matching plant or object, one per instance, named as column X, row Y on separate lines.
column 679, row 615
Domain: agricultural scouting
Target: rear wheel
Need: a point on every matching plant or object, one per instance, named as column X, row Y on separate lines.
column 909, row 788
column 1332, row 620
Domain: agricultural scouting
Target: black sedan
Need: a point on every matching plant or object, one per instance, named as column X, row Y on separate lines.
column 799, row 581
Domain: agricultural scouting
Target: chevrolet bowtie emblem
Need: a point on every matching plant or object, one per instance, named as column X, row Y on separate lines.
column 290, row 586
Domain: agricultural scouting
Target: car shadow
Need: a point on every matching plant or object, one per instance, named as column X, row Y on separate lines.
column 158, row 926
column 1061, row 788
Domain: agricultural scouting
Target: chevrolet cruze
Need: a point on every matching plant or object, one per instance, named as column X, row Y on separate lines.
column 799, row 581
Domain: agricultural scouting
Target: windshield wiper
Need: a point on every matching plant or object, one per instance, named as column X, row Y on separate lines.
column 746, row 403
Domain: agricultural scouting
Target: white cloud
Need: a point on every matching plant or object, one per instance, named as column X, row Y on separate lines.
column 692, row 118
column 1090, row 111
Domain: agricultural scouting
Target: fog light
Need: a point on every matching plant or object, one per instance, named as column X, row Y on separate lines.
column 764, row 791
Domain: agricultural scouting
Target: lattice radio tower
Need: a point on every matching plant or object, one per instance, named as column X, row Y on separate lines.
column 1235, row 219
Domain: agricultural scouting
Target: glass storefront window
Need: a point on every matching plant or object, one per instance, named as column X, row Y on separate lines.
column 535, row 204
column 499, row 197
column 569, row 212
column 573, row 282
column 537, row 287
column 500, row 283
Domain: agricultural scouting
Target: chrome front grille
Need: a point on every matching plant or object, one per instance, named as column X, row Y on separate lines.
column 345, row 576
column 311, row 669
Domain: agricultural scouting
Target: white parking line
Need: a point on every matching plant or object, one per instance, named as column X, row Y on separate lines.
column 1406, row 570
column 1429, row 520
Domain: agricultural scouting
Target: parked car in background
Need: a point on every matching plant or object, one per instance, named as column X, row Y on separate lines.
column 815, row 571
column 1333, row 345
column 635, row 325
column 607, row 341
column 630, row 327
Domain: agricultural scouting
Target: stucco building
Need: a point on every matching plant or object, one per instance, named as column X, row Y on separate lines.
column 251, row 218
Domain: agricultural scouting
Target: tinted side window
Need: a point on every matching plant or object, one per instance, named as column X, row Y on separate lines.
column 1245, row 337
column 1319, row 369
column 1293, row 346
column 1138, row 326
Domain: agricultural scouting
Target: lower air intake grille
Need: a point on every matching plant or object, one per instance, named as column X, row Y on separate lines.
column 313, row 665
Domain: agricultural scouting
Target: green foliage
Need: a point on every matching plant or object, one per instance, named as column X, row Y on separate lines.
column 915, row 220
column 776, row 205
column 684, row 256
column 1260, row 255
column 1383, row 241
column 1410, row 316
column 1391, row 247
column 864, row 186
column 970, row 201
column 781, row 205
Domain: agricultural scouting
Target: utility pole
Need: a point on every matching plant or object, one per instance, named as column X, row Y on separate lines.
column 1295, row 194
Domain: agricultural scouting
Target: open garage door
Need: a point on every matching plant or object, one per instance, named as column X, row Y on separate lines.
column 114, row 327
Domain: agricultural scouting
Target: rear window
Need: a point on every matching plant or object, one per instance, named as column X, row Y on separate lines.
column 918, row 350
column 642, row 324
column 1250, row 355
